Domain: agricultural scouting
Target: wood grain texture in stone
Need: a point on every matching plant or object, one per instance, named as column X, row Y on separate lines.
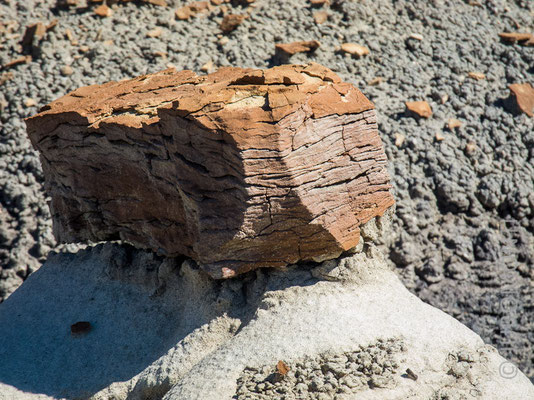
column 238, row 169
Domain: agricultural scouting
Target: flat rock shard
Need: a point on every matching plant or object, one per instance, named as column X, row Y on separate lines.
column 238, row 169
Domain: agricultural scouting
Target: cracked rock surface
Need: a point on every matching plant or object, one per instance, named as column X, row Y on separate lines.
column 237, row 169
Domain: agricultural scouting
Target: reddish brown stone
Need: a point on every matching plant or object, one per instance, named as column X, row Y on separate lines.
column 354, row 49
column 103, row 11
column 238, row 169
column 525, row 39
column 320, row 17
column 231, row 22
column 298, row 47
column 37, row 30
column 418, row 109
column 522, row 98
column 18, row 61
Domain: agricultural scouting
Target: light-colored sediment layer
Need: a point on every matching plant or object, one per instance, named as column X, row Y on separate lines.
column 164, row 329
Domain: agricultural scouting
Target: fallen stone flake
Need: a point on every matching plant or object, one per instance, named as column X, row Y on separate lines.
column 161, row 3
column 282, row 368
column 67, row 70
column 154, row 33
column 470, row 147
column 320, row 17
column 183, row 13
column 412, row 375
column 84, row 49
column 37, row 30
column 199, row 6
column 80, row 327
column 298, row 47
column 208, row 67
column 454, row 124
column 319, row 2
column 67, row 3
column 30, row 102
column 444, row 98
column 18, row 61
column 439, row 136
column 416, row 36
column 522, row 98
column 192, row 10
column 375, row 81
column 231, row 21
column 525, row 39
column 52, row 25
column 354, row 49
column 161, row 54
column 6, row 76
column 217, row 2
column 103, row 11
column 229, row 117
column 476, row 75
column 418, row 109
column 399, row 139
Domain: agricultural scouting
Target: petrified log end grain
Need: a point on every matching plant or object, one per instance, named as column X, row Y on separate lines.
column 238, row 169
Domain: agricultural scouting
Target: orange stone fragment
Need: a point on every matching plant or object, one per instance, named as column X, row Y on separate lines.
column 320, row 17
column 454, row 124
column 231, row 22
column 354, row 49
column 103, row 11
column 522, row 97
column 418, row 109
column 476, row 75
column 298, row 47
column 525, row 39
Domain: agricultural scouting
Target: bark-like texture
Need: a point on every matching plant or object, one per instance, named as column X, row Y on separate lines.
column 238, row 169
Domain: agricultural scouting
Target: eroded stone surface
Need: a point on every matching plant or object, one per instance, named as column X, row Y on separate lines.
column 238, row 169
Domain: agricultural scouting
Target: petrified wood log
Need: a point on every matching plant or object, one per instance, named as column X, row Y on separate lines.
column 238, row 169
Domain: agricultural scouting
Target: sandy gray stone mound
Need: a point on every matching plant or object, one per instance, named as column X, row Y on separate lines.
column 161, row 328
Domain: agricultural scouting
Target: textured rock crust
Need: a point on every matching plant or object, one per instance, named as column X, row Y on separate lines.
column 238, row 169
column 162, row 329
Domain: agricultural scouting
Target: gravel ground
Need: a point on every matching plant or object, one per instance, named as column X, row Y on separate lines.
column 464, row 229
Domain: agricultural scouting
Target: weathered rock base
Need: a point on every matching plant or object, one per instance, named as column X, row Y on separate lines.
column 347, row 329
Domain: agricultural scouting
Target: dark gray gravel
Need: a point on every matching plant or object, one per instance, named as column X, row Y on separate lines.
column 464, row 228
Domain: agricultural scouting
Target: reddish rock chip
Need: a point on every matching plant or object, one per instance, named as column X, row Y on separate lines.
column 522, row 98
column 298, row 47
column 320, row 17
column 231, row 22
column 37, row 30
column 525, row 39
column 354, row 49
column 418, row 109
column 103, row 11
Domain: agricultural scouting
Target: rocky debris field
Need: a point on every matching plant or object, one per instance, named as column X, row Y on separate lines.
column 325, row 376
column 461, row 164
